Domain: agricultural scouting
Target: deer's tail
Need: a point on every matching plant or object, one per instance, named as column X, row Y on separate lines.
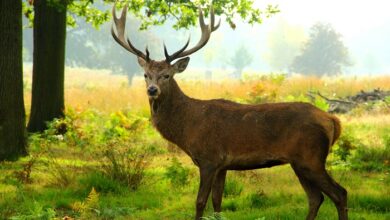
column 336, row 129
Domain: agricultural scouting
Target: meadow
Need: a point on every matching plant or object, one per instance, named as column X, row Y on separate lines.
column 111, row 163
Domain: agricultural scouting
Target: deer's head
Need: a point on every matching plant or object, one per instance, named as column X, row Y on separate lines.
column 159, row 74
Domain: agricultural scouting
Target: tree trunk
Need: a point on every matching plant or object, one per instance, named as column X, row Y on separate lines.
column 48, row 64
column 12, row 114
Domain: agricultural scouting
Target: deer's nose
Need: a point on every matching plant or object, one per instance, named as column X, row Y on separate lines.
column 152, row 91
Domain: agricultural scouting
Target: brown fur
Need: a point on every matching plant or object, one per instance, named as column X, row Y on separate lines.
column 221, row 135
column 337, row 129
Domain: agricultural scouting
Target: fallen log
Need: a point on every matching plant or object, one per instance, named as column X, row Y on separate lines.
column 376, row 94
column 345, row 105
column 336, row 105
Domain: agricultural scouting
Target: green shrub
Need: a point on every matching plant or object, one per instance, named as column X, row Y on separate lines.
column 100, row 182
column 230, row 205
column 357, row 156
column 38, row 211
column 260, row 94
column 371, row 159
column 92, row 128
column 215, row 216
column 232, row 187
column 67, row 129
column 257, row 200
column 344, row 145
column 61, row 175
column 177, row 174
column 24, row 176
column 376, row 203
column 115, row 212
column 386, row 140
column 122, row 125
column 321, row 104
column 124, row 164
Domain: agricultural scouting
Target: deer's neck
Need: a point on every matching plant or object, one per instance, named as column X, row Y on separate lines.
column 169, row 112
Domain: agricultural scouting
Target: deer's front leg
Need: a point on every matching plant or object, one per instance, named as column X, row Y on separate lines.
column 217, row 189
column 207, row 175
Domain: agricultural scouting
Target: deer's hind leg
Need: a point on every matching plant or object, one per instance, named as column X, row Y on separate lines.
column 313, row 193
column 335, row 192
column 311, row 166
column 322, row 181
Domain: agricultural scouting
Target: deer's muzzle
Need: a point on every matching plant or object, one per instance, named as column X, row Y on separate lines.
column 153, row 91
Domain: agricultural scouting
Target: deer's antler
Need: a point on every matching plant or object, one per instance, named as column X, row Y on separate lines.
column 119, row 37
column 206, row 33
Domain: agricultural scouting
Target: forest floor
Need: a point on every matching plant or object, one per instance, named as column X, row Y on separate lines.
column 112, row 164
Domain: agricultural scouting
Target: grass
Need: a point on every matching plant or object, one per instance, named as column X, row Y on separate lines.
column 281, row 197
column 99, row 90
column 103, row 113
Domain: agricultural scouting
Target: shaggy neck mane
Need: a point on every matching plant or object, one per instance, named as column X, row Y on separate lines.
column 169, row 112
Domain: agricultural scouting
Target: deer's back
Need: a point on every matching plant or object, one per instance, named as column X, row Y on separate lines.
column 226, row 128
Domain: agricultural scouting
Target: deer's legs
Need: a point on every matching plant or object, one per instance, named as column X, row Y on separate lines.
column 332, row 189
column 217, row 190
column 313, row 193
column 335, row 192
column 206, row 180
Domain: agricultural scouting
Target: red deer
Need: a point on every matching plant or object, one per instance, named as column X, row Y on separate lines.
column 221, row 135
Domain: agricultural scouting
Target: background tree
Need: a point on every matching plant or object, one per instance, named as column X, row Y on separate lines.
column 49, row 49
column 241, row 59
column 284, row 43
column 12, row 114
column 323, row 53
column 47, row 100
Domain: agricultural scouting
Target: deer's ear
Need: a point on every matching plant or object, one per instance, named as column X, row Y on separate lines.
column 142, row 62
column 181, row 65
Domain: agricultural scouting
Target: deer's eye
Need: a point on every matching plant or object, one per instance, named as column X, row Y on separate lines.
column 166, row 76
column 146, row 76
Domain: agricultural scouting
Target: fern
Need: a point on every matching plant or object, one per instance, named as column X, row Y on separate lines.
column 92, row 199
column 88, row 208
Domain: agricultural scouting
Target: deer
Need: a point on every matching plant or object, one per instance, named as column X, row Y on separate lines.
column 221, row 135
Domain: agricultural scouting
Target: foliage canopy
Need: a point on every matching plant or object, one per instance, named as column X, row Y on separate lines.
column 184, row 12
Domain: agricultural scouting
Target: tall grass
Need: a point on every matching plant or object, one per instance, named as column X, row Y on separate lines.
column 98, row 89
column 111, row 163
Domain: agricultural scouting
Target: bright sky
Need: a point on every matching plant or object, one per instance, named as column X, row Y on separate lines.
column 364, row 25
column 350, row 17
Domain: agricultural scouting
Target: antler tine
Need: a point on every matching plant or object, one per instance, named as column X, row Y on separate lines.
column 169, row 58
column 206, row 33
column 137, row 52
column 201, row 19
column 120, row 24
column 212, row 20
column 147, row 54
column 166, row 52
column 216, row 27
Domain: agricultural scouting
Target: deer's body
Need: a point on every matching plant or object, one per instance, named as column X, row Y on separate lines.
column 238, row 137
column 221, row 135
